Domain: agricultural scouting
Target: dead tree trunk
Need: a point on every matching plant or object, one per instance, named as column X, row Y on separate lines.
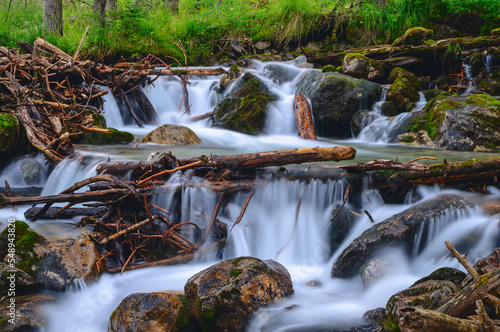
column 303, row 118
column 52, row 16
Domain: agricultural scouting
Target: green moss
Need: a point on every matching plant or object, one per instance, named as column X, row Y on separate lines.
column 390, row 323
column 495, row 32
column 207, row 320
column 113, row 315
column 113, row 137
column 329, row 69
column 264, row 59
column 482, row 100
column 407, row 139
column 236, row 272
column 237, row 260
column 4, row 320
column 226, row 295
column 180, row 71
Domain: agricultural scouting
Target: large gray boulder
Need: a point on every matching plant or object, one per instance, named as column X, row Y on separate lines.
column 225, row 295
column 335, row 98
column 27, row 313
column 463, row 123
column 244, row 109
column 172, row 135
column 397, row 231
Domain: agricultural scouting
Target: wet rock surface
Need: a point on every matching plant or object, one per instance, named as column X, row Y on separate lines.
column 146, row 312
column 28, row 316
column 172, row 135
column 225, row 295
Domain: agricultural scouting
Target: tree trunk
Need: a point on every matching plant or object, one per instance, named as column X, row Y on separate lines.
column 99, row 10
column 111, row 5
column 52, row 17
column 171, row 5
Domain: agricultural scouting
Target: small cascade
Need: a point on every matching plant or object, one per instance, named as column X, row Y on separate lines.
column 13, row 174
column 468, row 76
column 381, row 130
column 488, row 61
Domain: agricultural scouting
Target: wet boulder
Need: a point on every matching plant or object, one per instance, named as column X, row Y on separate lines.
column 14, row 279
column 359, row 66
column 52, row 263
column 413, row 80
column 335, row 98
column 279, row 73
column 340, row 226
column 492, row 207
column 30, row 170
column 28, row 316
column 414, row 36
column 225, row 295
column 397, row 231
column 244, row 109
column 403, row 95
column 490, row 84
column 113, row 136
column 172, row 135
column 463, row 123
column 376, row 269
column 146, row 312
column 230, row 77
column 13, row 140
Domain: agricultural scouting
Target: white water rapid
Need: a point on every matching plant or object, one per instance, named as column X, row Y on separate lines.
column 271, row 228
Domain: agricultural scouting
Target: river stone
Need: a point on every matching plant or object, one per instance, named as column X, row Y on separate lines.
column 403, row 73
column 225, row 295
column 397, row 231
column 359, row 66
column 53, row 263
column 262, row 45
column 146, row 312
column 445, row 273
column 490, row 84
column 23, row 282
column 335, row 98
column 339, row 228
column 30, row 170
column 279, row 73
column 402, row 94
column 430, row 294
column 376, row 269
column 463, row 123
column 172, row 135
column 492, row 207
column 29, row 317
column 244, row 109
column 414, row 36
column 230, row 77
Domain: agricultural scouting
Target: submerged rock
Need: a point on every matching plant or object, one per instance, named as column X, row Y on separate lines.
column 225, row 295
column 52, row 263
column 172, row 135
column 463, row 123
column 28, row 316
column 335, row 98
column 397, row 231
column 245, row 107
column 146, row 312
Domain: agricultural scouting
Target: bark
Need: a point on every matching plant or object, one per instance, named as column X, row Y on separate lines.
column 384, row 52
column 464, row 303
column 99, row 10
column 417, row 320
column 52, row 17
column 243, row 161
column 111, row 5
column 303, row 118
column 53, row 213
column 166, row 72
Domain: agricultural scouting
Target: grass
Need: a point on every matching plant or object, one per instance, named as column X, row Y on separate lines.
column 203, row 28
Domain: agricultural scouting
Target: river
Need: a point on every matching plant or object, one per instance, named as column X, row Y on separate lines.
column 267, row 230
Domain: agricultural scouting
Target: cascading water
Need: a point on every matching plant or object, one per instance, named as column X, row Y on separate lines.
column 286, row 220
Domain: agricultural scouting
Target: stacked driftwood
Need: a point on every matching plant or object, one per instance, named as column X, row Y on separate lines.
column 54, row 95
column 475, row 308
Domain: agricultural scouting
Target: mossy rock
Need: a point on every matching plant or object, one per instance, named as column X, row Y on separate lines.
column 359, row 66
column 403, row 95
column 495, row 32
column 414, row 36
column 403, row 73
column 464, row 123
column 328, row 69
column 224, row 296
column 433, row 93
column 113, row 137
column 245, row 107
column 13, row 139
column 490, row 84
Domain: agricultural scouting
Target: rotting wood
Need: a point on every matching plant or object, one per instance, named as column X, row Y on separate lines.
column 461, row 259
column 303, row 118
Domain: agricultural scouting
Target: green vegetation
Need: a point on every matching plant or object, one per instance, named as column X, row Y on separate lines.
column 201, row 28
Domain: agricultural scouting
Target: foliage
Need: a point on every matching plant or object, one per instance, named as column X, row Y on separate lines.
column 204, row 28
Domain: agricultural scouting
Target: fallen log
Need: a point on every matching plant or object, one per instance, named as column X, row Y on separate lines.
column 242, row 161
column 53, row 213
column 417, row 320
column 303, row 118
column 383, row 52
column 166, row 72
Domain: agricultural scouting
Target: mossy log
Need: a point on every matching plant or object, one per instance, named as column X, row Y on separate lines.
column 385, row 52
